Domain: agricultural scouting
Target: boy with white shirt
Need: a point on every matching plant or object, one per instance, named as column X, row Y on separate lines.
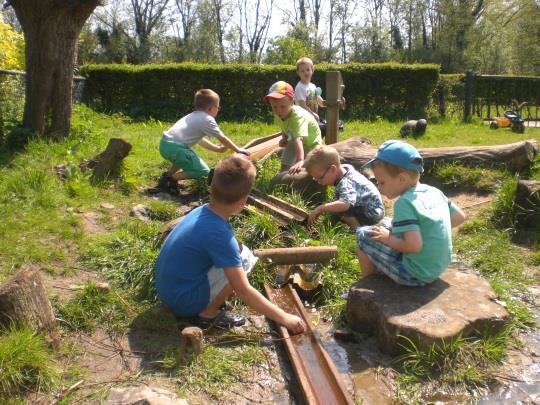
column 177, row 142
column 305, row 92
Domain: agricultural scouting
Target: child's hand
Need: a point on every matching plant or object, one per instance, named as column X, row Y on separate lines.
column 283, row 142
column 296, row 167
column 314, row 215
column 294, row 324
column 379, row 233
column 244, row 151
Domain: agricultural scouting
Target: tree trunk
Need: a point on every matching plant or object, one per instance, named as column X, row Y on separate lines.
column 24, row 301
column 527, row 202
column 297, row 255
column 51, row 29
column 107, row 163
column 515, row 156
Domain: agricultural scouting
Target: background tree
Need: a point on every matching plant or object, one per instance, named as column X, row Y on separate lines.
column 51, row 29
column 11, row 47
column 148, row 15
column 257, row 20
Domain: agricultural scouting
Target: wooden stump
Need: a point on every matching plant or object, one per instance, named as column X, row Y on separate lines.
column 166, row 230
column 24, row 301
column 191, row 342
column 514, row 156
column 527, row 201
column 108, row 162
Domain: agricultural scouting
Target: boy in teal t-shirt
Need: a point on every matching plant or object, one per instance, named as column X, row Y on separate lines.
column 300, row 131
column 417, row 246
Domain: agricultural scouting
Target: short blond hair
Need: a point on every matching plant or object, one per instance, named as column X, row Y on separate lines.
column 304, row 61
column 233, row 179
column 395, row 170
column 322, row 156
column 205, row 98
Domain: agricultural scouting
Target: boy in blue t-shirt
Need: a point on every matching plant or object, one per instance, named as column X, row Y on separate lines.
column 417, row 247
column 200, row 263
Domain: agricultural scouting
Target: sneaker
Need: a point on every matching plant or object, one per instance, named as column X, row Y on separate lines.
column 163, row 181
column 223, row 320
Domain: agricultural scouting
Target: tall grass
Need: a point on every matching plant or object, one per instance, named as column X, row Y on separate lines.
column 26, row 363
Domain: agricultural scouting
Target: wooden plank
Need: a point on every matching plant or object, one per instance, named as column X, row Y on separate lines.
column 319, row 380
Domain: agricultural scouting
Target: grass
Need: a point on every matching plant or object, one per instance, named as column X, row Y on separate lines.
column 26, row 364
column 43, row 224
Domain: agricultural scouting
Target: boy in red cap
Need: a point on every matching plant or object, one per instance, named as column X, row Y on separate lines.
column 300, row 130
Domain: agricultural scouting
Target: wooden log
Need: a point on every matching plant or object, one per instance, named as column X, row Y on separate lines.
column 24, row 301
column 191, row 342
column 527, row 201
column 166, row 230
column 515, row 156
column 108, row 162
column 297, row 255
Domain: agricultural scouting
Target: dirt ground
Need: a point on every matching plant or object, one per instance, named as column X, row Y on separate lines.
column 111, row 361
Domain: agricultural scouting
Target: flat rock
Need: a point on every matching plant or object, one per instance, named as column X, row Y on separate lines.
column 459, row 302
column 143, row 395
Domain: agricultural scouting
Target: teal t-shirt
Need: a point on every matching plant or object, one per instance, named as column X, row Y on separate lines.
column 425, row 209
column 300, row 123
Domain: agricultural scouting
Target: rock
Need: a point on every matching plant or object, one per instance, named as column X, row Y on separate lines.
column 162, row 197
column 141, row 212
column 107, row 206
column 414, row 128
column 459, row 302
column 143, row 395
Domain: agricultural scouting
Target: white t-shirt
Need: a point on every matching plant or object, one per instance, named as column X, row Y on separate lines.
column 190, row 129
column 307, row 93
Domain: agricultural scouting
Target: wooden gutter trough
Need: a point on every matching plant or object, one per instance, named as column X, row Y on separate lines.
column 318, row 378
column 281, row 210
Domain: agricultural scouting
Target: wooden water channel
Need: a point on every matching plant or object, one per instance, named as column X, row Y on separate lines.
column 282, row 211
column 318, row 378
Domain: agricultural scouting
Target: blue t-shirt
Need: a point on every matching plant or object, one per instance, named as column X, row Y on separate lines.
column 203, row 239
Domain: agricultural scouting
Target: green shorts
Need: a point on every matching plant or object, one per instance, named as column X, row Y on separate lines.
column 184, row 157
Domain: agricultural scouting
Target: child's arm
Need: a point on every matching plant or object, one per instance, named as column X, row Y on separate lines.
column 321, row 102
column 457, row 217
column 299, row 152
column 334, row 206
column 205, row 143
column 240, row 284
column 228, row 144
column 411, row 242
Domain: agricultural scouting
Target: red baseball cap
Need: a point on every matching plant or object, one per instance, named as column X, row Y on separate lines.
column 279, row 90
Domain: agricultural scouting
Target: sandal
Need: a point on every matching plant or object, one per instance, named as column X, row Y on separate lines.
column 223, row 320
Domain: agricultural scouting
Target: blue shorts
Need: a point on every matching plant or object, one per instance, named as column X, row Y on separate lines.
column 386, row 259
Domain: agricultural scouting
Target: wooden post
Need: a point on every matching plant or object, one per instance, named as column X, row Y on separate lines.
column 469, row 95
column 297, row 255
column 334, row 92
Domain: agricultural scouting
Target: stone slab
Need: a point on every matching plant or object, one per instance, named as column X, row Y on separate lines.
column 459, row 302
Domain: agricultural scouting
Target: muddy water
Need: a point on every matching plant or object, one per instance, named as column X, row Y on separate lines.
column 519, row 382
column 359, row 369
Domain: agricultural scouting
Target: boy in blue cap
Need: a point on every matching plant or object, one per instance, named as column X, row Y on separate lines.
column 417, row 246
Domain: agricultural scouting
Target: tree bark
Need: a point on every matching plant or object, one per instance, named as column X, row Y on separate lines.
column 515, row 156
column 24, row 301
column 527, row 202
column 107, row 163
column 51, row 29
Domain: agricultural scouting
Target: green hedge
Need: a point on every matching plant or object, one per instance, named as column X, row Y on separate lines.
column 388, row 90
column 503, row 89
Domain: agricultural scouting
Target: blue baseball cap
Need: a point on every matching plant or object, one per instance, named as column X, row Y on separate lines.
column 399, row 153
